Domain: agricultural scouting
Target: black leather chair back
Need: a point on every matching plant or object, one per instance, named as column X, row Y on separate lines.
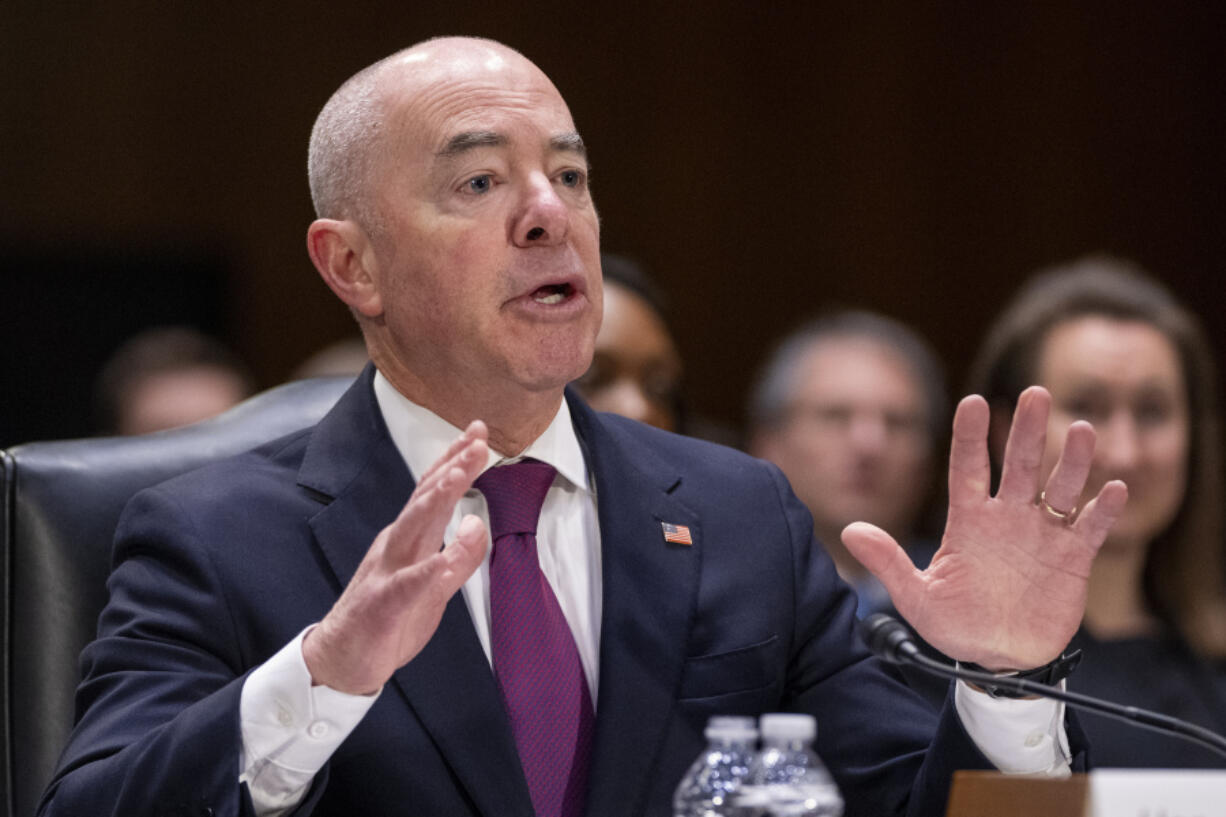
column 61, row 502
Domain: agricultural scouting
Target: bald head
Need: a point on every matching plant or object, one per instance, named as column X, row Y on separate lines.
column 347, row 146
column 456, row 223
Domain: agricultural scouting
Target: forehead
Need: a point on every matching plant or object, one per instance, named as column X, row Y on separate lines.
column 851, row 367
column 431, row 100
column 1104, row 348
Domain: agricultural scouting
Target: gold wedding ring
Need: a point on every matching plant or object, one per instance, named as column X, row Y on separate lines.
column 1064, row 516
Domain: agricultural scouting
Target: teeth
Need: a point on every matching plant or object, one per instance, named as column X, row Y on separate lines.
column 552, row 298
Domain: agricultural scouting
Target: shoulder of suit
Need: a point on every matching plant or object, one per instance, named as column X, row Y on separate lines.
column 272, row 462
column 677, row 449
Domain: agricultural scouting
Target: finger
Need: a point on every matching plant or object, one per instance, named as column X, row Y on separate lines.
column 970, row 474
column 476, row 430
column 436, row 579
column 464, row 555
column 1068, row 478
column 885, row 559
column 1100, row 513
column 1019, row 476
column 451, row 479
column 470, row 458
column 418, row 530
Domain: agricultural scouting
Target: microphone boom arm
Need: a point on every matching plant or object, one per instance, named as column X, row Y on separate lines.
column 891, row 641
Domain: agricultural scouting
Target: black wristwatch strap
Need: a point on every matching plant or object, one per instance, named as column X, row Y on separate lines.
column 1050, row 674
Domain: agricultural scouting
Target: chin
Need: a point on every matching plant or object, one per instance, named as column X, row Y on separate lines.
column 537, row 378
column 1128, row 535
column 555, row 364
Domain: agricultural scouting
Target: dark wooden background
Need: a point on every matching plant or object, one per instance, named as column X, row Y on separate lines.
column 763, row 159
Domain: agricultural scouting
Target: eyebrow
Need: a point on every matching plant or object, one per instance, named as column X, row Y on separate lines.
column 461, row 143
column 471, row 140
column 570, row 142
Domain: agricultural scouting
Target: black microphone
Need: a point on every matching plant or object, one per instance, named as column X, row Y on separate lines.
column 891, row 641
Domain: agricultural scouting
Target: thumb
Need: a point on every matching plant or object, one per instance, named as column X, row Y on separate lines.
column 884, row 558
column 464, row 554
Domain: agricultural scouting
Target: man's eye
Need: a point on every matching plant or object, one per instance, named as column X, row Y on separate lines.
column 571, row 178
column 480, row 184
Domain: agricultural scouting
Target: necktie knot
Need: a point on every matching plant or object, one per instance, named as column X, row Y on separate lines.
column 514, row 494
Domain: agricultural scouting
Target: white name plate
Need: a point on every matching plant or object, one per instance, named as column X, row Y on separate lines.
column 1157, row 793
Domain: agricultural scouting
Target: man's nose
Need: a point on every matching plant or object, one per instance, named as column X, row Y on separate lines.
column 543, row 218
column 868, row 431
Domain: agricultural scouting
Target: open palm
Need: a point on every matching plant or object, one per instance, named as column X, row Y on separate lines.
column 1007, row 588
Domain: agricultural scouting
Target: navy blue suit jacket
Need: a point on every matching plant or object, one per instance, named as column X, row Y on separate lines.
column 217, row 570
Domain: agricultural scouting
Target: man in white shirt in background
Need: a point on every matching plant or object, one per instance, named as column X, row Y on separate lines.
column 852, row 408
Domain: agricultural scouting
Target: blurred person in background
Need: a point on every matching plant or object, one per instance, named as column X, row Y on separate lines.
column 636, row 369
column 168, row 377
column 852, row 407
column 343, row 357
column 1114, row 347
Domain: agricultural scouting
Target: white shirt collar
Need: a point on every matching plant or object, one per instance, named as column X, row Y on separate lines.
column 421, row 436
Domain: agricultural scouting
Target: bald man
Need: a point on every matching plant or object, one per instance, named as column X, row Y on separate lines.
column 287, row 634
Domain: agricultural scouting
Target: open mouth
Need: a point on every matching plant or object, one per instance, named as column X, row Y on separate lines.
column 553, row 293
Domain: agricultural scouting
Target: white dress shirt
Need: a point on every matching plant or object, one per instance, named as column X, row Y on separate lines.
column 290, row 728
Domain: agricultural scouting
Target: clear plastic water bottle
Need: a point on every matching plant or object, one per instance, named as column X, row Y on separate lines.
column 714, row 778
column 786, row 778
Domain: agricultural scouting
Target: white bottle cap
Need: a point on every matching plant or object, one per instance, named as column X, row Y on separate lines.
column 787, row 726
column 731, row 727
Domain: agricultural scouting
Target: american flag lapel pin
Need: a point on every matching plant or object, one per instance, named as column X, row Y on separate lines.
column 677, row 534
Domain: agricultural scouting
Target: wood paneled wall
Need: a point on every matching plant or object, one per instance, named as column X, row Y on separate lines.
column 763, row 159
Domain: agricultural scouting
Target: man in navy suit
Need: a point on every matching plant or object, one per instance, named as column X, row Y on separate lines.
column 286, row 635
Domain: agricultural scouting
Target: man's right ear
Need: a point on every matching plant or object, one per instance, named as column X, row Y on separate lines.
column 346, row 261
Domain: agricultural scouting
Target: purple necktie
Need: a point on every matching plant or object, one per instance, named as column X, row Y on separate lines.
column 535, row 659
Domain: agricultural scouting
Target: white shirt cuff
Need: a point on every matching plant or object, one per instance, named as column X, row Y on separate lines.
column 290, row 729
column 1019, row 736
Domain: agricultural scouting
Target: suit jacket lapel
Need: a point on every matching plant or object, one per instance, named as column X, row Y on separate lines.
column 650, row 591
column 449, row 685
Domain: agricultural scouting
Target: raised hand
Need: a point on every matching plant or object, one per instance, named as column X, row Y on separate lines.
column 394, row 603
column 1007, row 588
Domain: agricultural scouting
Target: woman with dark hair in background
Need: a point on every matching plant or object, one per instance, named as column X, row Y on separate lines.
column 636, row 369
column 1114, row 347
